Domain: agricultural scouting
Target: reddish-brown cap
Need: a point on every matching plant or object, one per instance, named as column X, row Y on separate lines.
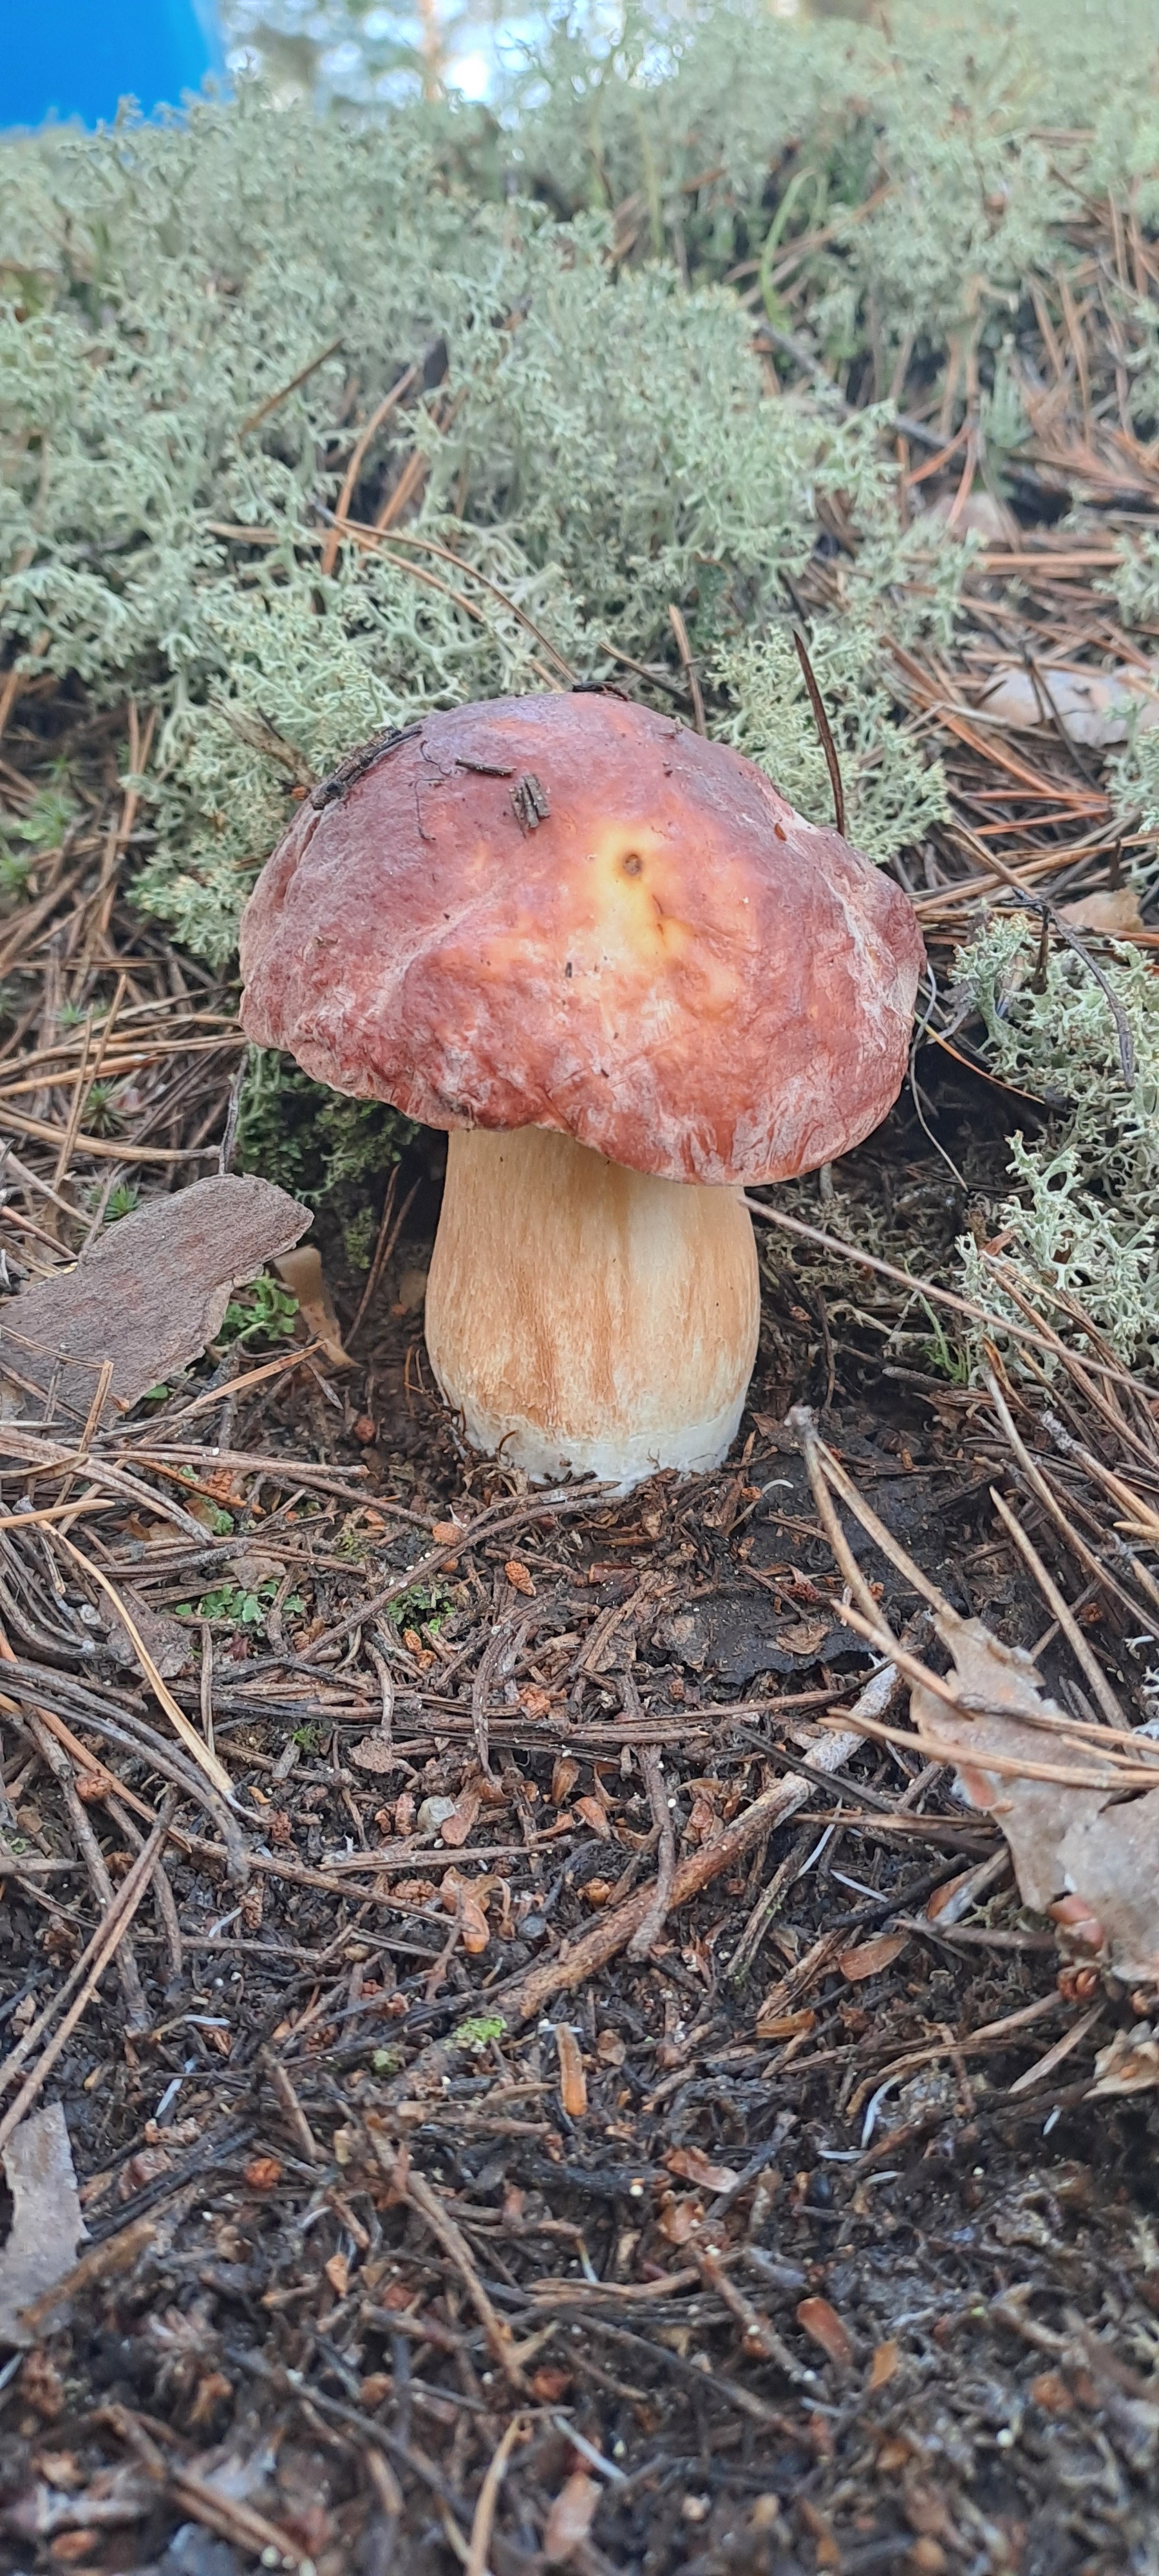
column 569, row 912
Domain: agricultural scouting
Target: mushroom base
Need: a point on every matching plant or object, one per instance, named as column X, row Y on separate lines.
column 588, row 1320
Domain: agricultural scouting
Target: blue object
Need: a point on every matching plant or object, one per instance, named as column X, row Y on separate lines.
column 79, row 58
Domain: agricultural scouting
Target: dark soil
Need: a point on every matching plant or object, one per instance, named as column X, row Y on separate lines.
column 818, row 2291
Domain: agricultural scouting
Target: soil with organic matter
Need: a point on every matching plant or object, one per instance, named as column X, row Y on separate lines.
column 794, row 2243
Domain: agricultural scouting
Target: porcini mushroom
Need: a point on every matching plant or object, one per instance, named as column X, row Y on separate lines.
column 612, row 961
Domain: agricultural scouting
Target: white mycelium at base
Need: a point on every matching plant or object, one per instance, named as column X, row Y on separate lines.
column 586, row 1319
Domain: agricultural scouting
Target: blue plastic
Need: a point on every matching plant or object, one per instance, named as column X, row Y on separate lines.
column 79, row 58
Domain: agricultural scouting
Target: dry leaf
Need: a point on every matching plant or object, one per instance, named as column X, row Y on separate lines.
column 47, row 2226
column 1092, row 707
column 821, row 2322
column 445, row 1533
column 787, row 2025
column 1076, row 1852
column 595, row 1817
column 263, row 2173
column 459, row 1897
column 458, row 1828
column 692, row 2166
column 1116, row 910
column 805, row 1637
column 1129, row 2064
column 573, row 2090
column 883, row 2365
column 375, row 1753
column 337, row 2271
column 519, row 1578
column 564, row 1774
column 678, row 2220
column 570, row 2519
column 979, row 514
column 150, row 1294
column 870, row 1957
column 533, row 1701
column 169, row 1640
column 302, row 1273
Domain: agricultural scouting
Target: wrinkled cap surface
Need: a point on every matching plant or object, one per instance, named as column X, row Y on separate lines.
column 569, row 912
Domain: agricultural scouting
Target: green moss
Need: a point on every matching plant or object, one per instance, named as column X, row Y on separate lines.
column 324, row 1149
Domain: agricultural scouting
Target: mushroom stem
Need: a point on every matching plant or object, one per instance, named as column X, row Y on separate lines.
column 585, row 1318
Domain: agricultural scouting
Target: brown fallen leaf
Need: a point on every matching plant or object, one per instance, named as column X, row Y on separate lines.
column 1081, row 1854
column 978, row 515
column 1116, row 909
column 573, row 2088
column 263, row 2173
column 789, row 2025
column 822, row 2324
column 870, row 1957
column 459, row 1898
column 564, row 1774
column 883, row 2365
column 570, row 2518
column 47, row 2225
column 692, row 2166
column 148, row 1297
column 374, row 1753
column 1092, row 707
column 302, row 1273
column 169, row 1640
column 595, row 1817
column 458, row 1828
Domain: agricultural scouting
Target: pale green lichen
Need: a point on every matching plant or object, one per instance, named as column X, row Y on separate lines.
column 1085, row 1220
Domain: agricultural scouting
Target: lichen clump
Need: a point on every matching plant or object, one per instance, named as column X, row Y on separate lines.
column 1085, row 1222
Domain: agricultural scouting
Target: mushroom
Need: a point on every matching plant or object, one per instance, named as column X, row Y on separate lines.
column 629, row 979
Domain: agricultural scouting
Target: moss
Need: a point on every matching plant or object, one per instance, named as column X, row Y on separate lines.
column 325, row 1150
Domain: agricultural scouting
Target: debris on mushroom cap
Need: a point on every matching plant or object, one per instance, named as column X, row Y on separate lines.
column 569, row 912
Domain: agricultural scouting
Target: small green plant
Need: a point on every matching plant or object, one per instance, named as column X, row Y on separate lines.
column 230, row 1605
column 478, row 2032
column 123, row 1197
column 44, row 826
column 101, row 1112
column 263, row 1312
column 307, row 1738
column 422, row 1605
column 359, row 1239
column 945, row 1358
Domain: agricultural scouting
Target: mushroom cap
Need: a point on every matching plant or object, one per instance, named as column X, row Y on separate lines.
column 569, row 912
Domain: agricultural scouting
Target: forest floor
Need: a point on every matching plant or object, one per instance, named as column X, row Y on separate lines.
column 500, row 2139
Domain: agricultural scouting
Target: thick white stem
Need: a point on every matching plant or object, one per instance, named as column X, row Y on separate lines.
column 587, row 1319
